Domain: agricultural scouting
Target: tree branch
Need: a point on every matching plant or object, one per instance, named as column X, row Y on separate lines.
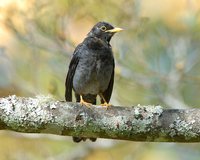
column 139, row 123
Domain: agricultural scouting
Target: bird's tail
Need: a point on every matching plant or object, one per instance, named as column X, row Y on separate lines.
column 90, row 99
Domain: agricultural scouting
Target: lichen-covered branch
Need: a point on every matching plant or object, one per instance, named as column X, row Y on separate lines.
column 138, row 123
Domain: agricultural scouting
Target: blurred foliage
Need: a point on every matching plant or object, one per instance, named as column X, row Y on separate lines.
column 157, row 62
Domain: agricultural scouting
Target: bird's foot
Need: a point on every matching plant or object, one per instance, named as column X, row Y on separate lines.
column 105, row 104
column 84, row 103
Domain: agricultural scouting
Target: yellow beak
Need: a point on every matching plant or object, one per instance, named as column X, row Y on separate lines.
column 115, row 30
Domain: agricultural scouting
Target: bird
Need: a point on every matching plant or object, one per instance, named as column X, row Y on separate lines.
column 91, row 70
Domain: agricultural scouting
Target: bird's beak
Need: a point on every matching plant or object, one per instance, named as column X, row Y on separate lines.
column 114, row 30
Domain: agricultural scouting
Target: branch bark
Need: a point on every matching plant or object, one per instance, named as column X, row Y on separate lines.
column 138, row 123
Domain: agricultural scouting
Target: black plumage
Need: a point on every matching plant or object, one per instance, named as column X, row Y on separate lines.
column 91, row 70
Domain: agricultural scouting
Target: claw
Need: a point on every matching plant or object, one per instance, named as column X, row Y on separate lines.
column 82, row 102
column 106, row 104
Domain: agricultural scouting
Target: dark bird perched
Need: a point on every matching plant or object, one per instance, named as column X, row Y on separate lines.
column 91, row 70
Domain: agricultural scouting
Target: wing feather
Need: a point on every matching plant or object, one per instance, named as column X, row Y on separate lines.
column 70, row 74
column 108, row 92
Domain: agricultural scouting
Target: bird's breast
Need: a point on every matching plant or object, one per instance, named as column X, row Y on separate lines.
column 93, row 72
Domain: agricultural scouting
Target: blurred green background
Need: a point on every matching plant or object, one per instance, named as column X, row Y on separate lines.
column 157, row 62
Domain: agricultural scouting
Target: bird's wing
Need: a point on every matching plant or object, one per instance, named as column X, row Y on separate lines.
column 107, row 93
column 70, row 74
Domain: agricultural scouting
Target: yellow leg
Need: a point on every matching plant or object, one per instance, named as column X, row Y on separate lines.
column 105, row 103
column 82, row 102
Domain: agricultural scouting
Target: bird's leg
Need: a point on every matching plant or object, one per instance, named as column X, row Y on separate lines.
column 105, row 103
column 82, row 102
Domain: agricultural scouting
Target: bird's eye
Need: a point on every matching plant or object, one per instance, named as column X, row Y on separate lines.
column 103, row 28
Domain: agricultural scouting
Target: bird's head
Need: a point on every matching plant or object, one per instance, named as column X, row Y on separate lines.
column 104, row 31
